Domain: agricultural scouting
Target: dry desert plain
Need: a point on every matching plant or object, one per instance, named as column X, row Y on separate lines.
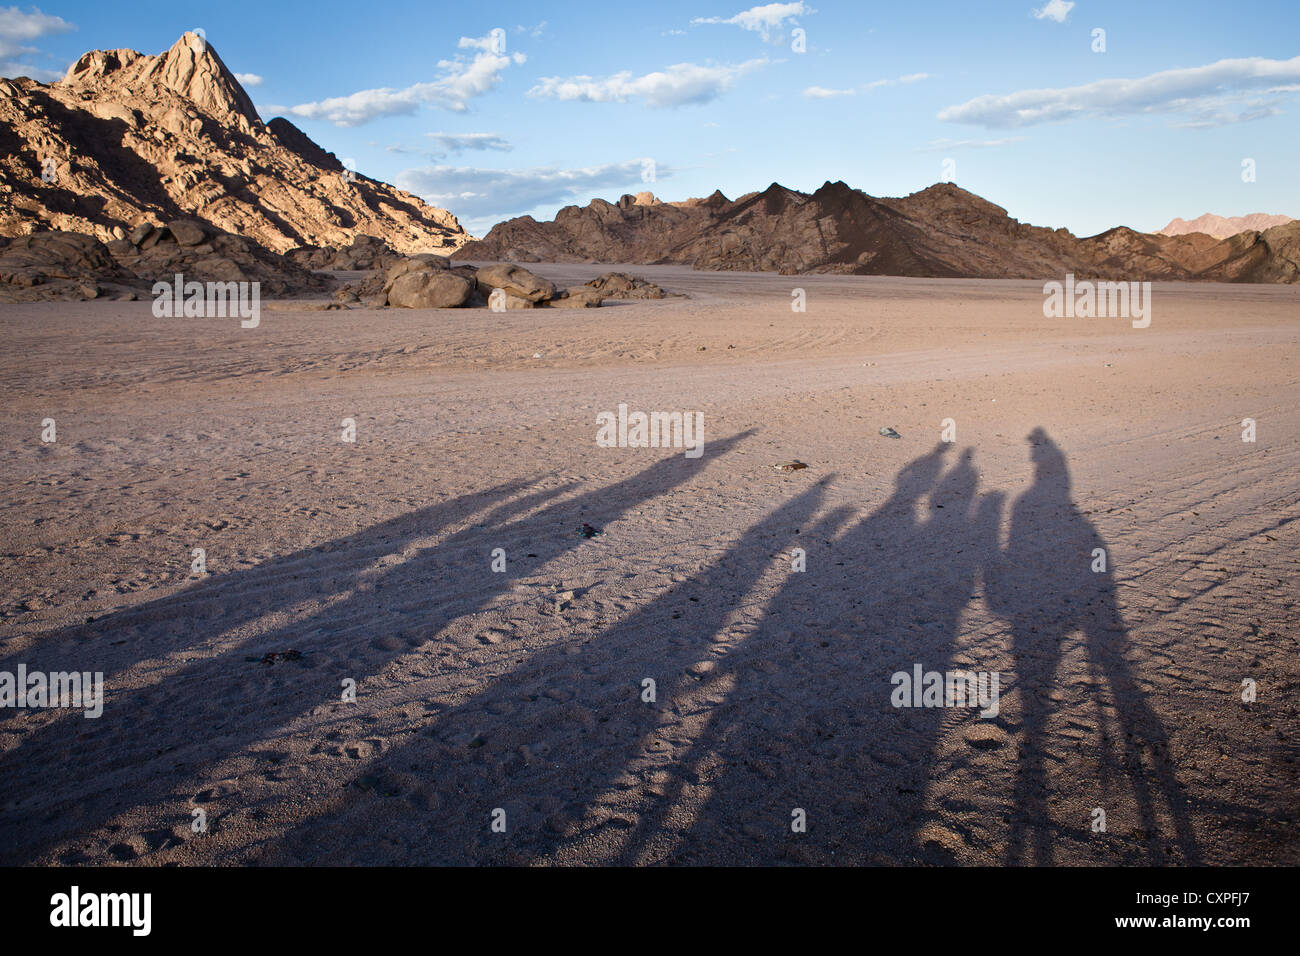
column 522, row 691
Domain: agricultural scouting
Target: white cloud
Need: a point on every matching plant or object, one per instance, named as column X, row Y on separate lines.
column 481, row 197
column 493, row 42
column 678, row 85
column 897, row 81
column 17, row 30
column 461, row 81
column 938, row 145
column 822, row 93
column 448, row 143
column 1192, row 90
column 767, row 21
column 460, row 142
column 1056, row 10
column 248, row 79
column 19, row 26
column 1225, row 112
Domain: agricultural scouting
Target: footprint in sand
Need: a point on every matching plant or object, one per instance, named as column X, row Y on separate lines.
column 218, row 791
column 364, row 749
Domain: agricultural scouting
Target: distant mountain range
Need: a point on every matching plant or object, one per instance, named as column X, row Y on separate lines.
column 940, row 231
column 1221, row 227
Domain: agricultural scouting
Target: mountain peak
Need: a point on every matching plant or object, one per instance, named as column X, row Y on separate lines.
column 191, row 68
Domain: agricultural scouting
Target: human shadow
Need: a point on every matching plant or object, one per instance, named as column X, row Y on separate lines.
column 67, row 778
column 805, row 728
column 772, row 698
column 1053, row 579
column 811, row 761
column 750, row 700
column 771, row 691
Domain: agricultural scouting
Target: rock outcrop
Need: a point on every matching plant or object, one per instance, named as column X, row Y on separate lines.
column 196, row 250
column 620, row 285
column 941, row 231
column 363, row 253
column 75, row 266
column 433, row 282
column 59, row 266
column 125, row 138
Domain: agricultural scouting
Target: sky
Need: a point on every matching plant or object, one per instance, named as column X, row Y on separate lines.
column 494, row 110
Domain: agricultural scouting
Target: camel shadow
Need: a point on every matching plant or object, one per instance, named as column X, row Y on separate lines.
column 768, row 703
column 66, row 779
column 1053, row 579
column 702, row 726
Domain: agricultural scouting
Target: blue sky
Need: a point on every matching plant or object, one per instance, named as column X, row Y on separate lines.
column 574, row 100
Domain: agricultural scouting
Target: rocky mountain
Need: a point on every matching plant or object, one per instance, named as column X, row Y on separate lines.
column 940, row 231
column 1221, row 228
column 125, row 139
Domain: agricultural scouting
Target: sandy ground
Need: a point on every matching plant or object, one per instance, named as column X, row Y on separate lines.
column 479, row 692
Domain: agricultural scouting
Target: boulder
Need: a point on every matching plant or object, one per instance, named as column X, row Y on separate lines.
column 156, row 236
column 620, row 285
column 429, row 289
column 425, row 262
column 217, row 269
column 468, row 272
column 579, row 297
column 187, row 232
column 613, row 282
column 366, row 290
column 516, row 281
column 518, row 302
column 140, row 233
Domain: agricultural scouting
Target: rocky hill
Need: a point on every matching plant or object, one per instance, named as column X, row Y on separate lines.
column 940, row 231
column 1221, row 228
column 125, row 139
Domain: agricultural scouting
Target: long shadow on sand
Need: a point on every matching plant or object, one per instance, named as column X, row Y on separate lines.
column 772, row 690
column 64, row 781
column 767, row 706
column 1045, row 586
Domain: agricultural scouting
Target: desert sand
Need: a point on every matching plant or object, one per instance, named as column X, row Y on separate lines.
column 522, row 691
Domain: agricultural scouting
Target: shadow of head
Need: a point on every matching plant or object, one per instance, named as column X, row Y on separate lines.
column 921, row 472
column 1045, row 453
